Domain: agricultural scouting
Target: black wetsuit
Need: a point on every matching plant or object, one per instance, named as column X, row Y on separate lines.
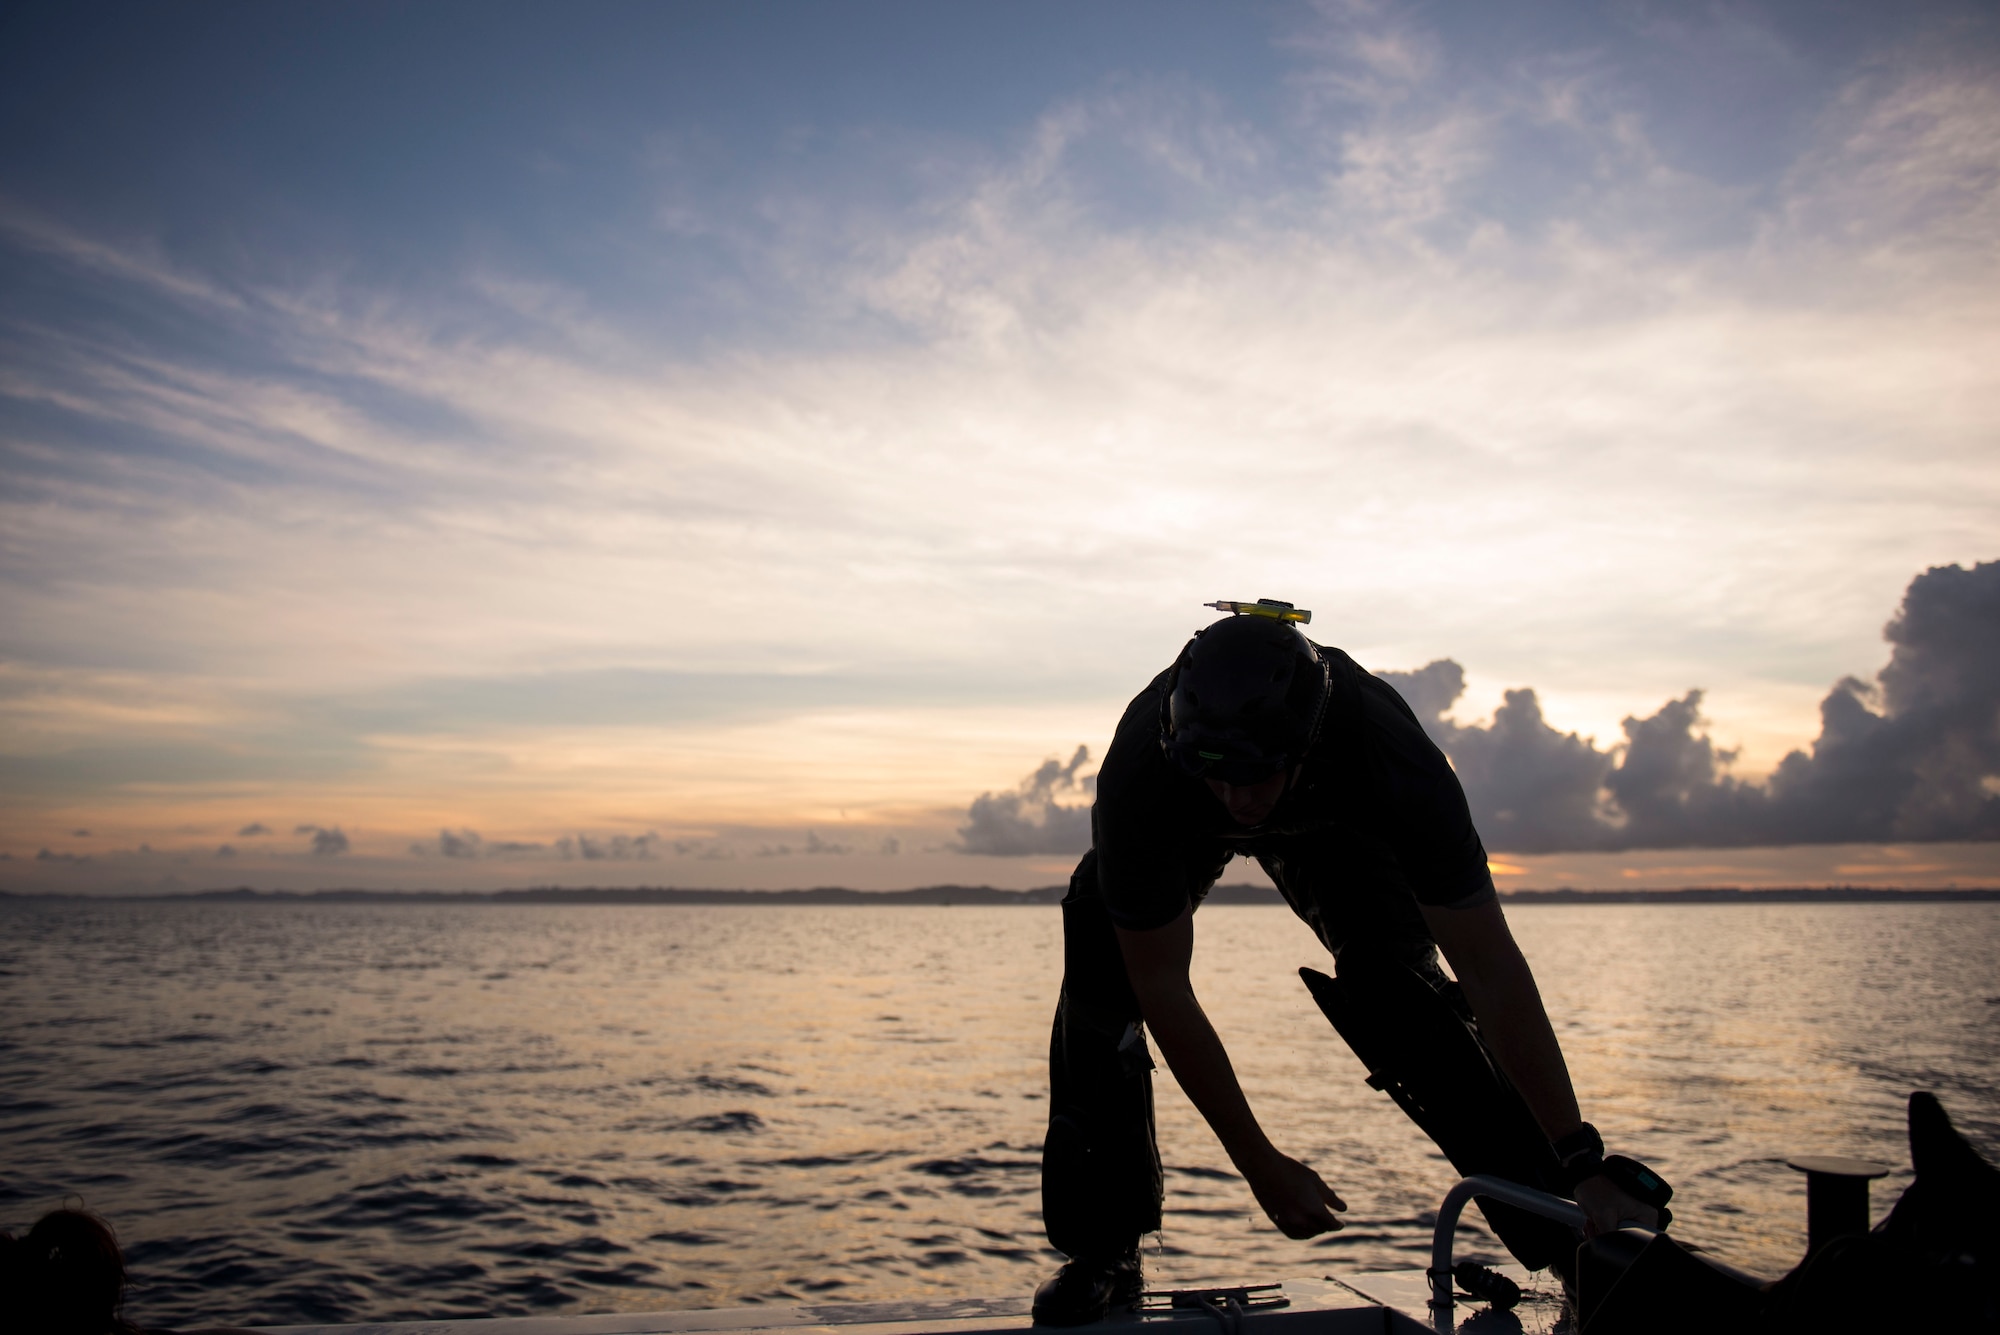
column 1374, row 825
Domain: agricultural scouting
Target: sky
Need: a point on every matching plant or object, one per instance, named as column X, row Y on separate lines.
column 474, row 445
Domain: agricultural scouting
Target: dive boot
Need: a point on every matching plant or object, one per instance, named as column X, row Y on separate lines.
column 1087, row 1288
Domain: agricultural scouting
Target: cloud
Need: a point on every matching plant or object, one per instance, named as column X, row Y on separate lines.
column 463, row 844
column 1030, row 819
column 1926, row 766
column 225, row 851
column 1910, row 149
column 1532, row 789
column 1363, row 53
column 1430, row 304
column 814, row 846
column 1310, row 347
column 1912, row 758
column 46, row 856
column 252, row 830
column 616, row 848
column 326, row 843
column 470, row 844
column 706, row 850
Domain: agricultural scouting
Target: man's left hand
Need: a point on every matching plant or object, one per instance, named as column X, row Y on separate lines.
column 1606, row 1208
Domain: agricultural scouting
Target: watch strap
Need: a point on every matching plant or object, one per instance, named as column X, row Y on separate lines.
column 1581, row 1155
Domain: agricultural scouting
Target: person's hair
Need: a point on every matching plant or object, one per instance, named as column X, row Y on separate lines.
column 65, row 1276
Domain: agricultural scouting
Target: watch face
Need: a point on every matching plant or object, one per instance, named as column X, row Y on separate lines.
column 1638, row 1180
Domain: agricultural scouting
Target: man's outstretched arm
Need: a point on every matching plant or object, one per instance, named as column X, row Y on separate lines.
column 1156, row 961
column 1515, row 1024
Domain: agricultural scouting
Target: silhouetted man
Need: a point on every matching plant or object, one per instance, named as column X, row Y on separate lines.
column 1259, row 742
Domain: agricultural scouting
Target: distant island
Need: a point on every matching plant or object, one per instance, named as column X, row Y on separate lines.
column 1809, row 894
column 986, row 895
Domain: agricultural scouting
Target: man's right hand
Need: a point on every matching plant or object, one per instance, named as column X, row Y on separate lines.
column 1296, row 1199
column 1156, row 961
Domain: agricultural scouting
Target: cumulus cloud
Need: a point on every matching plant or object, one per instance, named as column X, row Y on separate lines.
column 326, row 842
column 1912, row 757
column 1030, row 819
column 1532, row 789
column 225, row 851
column 252, row 830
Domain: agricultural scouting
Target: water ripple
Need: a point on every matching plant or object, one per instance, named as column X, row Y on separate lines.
column 317, row 1113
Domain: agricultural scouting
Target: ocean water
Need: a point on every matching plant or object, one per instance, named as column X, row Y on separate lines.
column 299, row 1113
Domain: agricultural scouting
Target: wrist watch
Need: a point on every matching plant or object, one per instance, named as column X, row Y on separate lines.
column 1581, row 1154
column 1639, row 1182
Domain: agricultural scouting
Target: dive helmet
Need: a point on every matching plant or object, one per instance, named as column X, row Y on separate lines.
column 1247, row 696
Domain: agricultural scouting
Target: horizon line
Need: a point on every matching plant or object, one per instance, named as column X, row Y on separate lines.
column 971, row 895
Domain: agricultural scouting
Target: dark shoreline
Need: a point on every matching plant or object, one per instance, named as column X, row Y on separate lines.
column 982, row 895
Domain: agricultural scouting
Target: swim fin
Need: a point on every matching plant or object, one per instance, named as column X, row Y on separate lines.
column 1424, row 1053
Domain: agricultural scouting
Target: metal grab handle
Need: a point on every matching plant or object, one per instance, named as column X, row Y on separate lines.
column 1495, row 1189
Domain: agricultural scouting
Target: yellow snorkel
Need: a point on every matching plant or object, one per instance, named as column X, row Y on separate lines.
column 1263, row 607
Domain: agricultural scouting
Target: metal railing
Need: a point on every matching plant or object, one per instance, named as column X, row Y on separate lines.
column 1493, row 1189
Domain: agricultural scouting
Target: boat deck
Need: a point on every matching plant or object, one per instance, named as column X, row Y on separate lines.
column 1363, row 1303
